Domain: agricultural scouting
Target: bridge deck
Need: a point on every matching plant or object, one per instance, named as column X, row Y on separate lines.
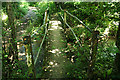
column 56, row 61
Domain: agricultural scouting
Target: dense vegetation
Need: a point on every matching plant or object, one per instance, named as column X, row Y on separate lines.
column 98, row 16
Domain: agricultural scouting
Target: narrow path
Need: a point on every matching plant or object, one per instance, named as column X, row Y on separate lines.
column 56, row 61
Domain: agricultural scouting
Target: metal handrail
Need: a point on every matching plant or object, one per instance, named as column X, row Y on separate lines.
column 77, row 19
column 43, row 37
column 72, row 31
column 38, row 30
column 42, row 25
column 41, row 44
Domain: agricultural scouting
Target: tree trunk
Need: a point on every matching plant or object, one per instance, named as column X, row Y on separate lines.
column 93, row 54
column 117, row 57
column 10, row 13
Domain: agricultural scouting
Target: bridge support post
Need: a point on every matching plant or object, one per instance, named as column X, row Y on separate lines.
column 29, row 55
column 93, row 54
column 45, row 17
column 64, row 20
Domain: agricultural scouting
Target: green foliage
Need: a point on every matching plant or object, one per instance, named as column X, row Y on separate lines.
column 97, row 16
column 52, row 7
column 42, row 6
column 20, row 9
column 33, row 4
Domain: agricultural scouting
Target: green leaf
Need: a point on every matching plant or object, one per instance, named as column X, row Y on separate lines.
column 5, row 56
column 68, row 73
column 109, row 71
column 19, row 70
column 46, row 37
column 0, row 51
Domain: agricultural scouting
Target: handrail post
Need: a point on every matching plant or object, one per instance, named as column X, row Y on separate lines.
column 44, row 22
column 93, row 53
column 33, row 67
column 64, row 19
column 29, row 55
column 46, row 16
column 45, row 29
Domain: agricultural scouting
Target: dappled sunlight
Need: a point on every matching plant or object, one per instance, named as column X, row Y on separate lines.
column 54, row 51
column 55, row 25
column 106, row 32
column 51, row 63
column 57, row 52
column 54, row 40
column 50, row 29
column 21, row 54
column 32, row 8
column 23, row 23
column 23, row 31
column 4, row 17
column 55, row 22
column 21, row 5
